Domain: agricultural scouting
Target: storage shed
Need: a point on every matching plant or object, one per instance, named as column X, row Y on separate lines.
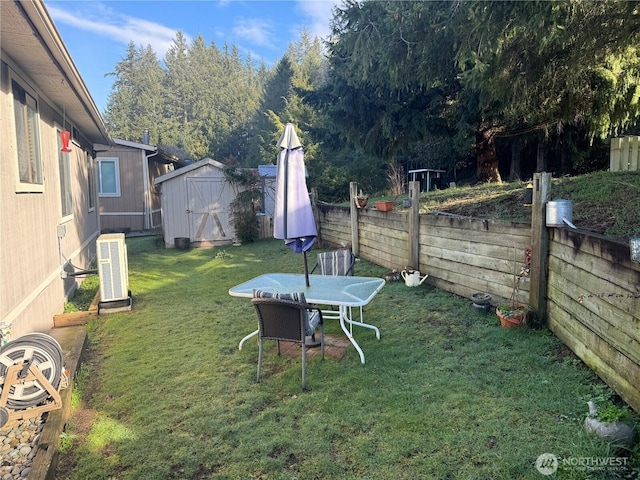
column 195, row 204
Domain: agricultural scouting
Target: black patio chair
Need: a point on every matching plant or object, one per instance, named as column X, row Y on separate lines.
column 287, row 320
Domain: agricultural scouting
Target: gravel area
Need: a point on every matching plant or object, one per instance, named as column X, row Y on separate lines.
column 18, row 448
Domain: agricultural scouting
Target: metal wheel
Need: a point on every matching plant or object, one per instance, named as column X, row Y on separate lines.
column 47, row 357
column 4, row 416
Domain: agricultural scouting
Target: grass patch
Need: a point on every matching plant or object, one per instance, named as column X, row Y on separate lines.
column 83, row 296
column 603, row 202
column 445, row 393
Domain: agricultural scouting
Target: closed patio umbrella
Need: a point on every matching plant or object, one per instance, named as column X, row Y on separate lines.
column 293, row 217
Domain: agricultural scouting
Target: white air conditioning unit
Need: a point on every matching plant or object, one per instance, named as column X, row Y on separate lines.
column 112, row 267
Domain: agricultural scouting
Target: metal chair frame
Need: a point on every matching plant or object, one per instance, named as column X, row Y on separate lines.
column 326, row 266
column 285, row 320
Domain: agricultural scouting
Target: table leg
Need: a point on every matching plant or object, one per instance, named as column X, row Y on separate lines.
column 361, row 323
column 343, row 317
column 252, row 334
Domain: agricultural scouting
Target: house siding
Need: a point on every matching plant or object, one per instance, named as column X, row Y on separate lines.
column 31, row 287
column 137, row 208
column 125, row 212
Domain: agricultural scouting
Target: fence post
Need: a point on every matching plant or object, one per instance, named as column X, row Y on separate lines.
column 316, row 214
column 353, row 192
column 539, row 244
column 414, row 226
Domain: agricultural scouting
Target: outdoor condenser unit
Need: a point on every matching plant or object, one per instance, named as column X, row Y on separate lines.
column 112, row 267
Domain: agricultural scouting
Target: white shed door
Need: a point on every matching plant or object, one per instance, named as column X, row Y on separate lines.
column 208, row 209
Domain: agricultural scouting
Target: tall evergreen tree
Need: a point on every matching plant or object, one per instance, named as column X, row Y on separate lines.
column 485, row 69
column 135, row 101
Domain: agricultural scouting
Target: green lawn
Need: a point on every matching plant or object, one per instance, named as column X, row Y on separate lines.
column 445, row 394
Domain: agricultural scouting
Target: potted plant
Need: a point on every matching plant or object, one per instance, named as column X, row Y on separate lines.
column 384, row 205
column 361, row 200
column 612, row 423
column 515, row 313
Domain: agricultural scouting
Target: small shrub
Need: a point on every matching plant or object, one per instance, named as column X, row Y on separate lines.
column 610, row 412
column 243, row 207
column 243, row 216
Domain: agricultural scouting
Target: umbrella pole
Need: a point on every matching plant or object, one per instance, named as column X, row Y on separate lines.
column 286, row 192
column 306, row 268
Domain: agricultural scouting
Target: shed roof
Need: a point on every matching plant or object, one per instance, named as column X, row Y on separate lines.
column 187, row 169
column 270, row 171
column 267, row 170
column 161, row 157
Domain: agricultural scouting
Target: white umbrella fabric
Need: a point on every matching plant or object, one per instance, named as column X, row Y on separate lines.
column 293, row 217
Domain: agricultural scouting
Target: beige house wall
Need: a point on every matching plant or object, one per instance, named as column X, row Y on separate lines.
column 32, row 289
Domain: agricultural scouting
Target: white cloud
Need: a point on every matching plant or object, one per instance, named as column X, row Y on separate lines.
column 256, row 31
column 319, row 14
column 101, row 20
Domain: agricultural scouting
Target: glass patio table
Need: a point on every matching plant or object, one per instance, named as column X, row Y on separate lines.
column 342, row 292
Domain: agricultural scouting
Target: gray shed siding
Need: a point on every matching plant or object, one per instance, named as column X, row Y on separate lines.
column 177, row 204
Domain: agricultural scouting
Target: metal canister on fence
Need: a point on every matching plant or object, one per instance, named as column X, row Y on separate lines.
column 634, row 249
column 560, row 213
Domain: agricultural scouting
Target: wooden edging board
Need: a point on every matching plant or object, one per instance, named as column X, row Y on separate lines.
column 78, row 318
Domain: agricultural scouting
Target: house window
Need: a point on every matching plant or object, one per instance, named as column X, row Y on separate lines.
column 64, row 166
column 108, row 177
column 25, row 108
column 91, row 180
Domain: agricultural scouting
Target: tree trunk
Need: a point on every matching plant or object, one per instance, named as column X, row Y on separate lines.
column 565, row 155
column 516, row 159
column 541, row 157
column 487, row 167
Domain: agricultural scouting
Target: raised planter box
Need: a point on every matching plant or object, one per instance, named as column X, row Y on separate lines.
column 384, row 206
column 78, row 318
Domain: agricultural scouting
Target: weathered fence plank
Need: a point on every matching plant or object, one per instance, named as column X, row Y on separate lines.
column 609, row 323
column 613, row 367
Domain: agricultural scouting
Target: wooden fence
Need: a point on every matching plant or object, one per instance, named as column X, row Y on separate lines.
column 590, row 291
column 624, row 154
column 594, row 306
column 462, row 255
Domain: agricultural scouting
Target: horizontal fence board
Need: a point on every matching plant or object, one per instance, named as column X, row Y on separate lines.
column 478, row 279
column 612, row 263
column 451, row 287
column 515, row 236
column 615, row 369
column 604, row 320
column 615, row 304
column 495, row 257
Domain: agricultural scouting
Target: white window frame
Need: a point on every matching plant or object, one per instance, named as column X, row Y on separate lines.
column 91, row 183
column 36, row 186
column 64, row 172
column 116, row 162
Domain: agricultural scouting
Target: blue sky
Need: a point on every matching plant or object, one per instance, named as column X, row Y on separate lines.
column 97, row 33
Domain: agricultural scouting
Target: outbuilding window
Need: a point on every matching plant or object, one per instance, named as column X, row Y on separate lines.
column 108, row 177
